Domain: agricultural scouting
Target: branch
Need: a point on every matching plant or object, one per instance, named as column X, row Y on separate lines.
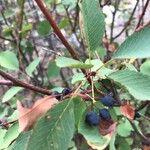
column 19, row 38
column 1, row 37
column 56, row 29
column 6, row 82
column 143, row 13
column 129, row 21
column 117, row 2
column 20, row 83
column 60, row 35
column 143, row 105
column 141, row 135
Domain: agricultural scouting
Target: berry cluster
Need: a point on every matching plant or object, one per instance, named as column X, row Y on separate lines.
column 93, row 119
column 64, row 92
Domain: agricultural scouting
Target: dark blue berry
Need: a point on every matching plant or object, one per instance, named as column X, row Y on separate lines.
column 92, row 118
column 57, row 95
column 66, row 91
column 104, row 114
column 108, row 101
column 137, row 115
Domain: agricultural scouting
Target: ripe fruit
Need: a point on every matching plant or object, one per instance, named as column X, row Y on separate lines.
column 104, row 114
column 66, row 91
column 108, row 101
column 137, row 115
column 92, row 118
column 57, row 95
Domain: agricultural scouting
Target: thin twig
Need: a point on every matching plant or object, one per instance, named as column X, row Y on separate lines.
column 12, row 35
column 128, row 22
column 143, row 105
column 108, row 2
column 73, row 26
column 141, row 135
column 143, row 13
column 20, row 83
column 6, row 39
column 18, row 41
column 113, row 19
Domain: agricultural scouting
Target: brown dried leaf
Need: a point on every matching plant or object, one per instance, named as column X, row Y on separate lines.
column 29, row 116
column 128, row 111
column 107, row 127
column 145, row 147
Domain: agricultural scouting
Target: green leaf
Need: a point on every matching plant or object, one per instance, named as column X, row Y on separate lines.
column 20, row 3
column 135, row 46
column 54, row 130
column 8, row 13
column 26, row 28
column 71, row 3
column 97, row 63
column 130, row 67
column 64, row 23
column 72, row 63
column 2, row 135
column 13, row 116
column 136, row 83
column 112, row 143
column 21, row 141
column 79, row 108
column 123, row 144
column 124, row 128
column 77, row 77
column 72, row 146
column 44, row 28
column 7, row 31
column 145, row 68
column 101, row 51
column 53, row 71
column 93, row 23
column 58, row 89
column 11, row 93
column 11, row 134
column 32, row 66
column 9, row 60
column 92, row 135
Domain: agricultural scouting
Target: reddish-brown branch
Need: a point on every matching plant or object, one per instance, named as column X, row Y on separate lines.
column 6, row 82
column 20, row 83
column 60, row 35
column 143, row 13
column 56, row 29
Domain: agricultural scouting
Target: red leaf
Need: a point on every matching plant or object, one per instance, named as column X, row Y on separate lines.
column 128, row 111
column 107, row 127
column 29, row 116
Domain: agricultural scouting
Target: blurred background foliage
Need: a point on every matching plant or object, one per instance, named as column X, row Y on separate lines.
column 28, row 46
